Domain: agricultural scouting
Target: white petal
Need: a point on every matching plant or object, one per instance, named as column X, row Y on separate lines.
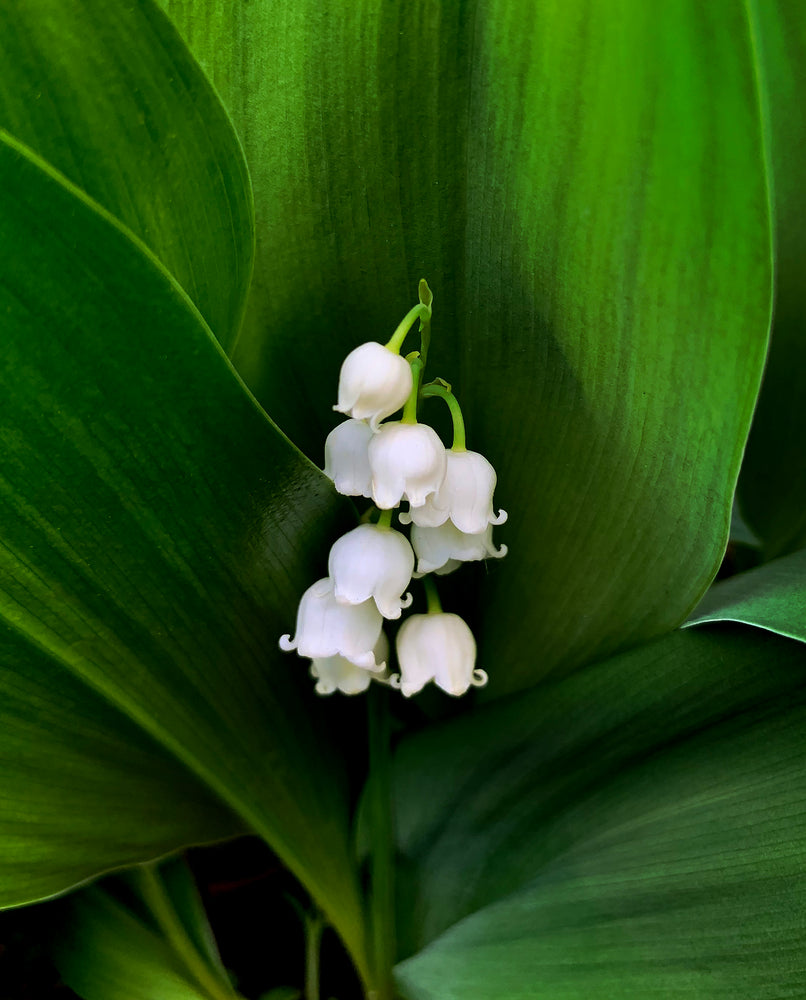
column 347, row 458
column 372, row 562
column 326, row 628
column 435, row 547
column 336, row 673
column 449, row 567
column 373, row 383
column 466, row 495
column 407, row 461
column 439, row 647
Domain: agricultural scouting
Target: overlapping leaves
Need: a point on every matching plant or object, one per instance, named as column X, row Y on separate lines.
column 585, row 190
column 156, row 534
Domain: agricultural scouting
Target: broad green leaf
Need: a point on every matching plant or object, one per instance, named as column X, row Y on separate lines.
column 487, row 803
column 773, row 481
column 157, row 533
column 772, row 597
column 583, row 186
column 106, row 950
column 109, row 94
column 637, row 829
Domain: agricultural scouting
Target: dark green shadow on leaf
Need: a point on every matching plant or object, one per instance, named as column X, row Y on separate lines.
column 110, row 96
column 620, row 794
column 157, row 533
column 583, row 186
column 772, row 488
column 107, row 950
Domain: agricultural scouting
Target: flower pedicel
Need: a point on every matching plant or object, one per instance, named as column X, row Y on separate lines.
column 450, row 507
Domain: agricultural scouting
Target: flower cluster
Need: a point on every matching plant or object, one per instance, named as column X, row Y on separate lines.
column 449, row 494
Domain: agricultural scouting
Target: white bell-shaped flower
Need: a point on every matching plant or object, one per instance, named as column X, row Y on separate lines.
column 373, row 383
column 372, row 562
column 407, row 461
column 438, row 647
column 335, row 673
column 327, row 628
column 465, row 496
column 435, row 547
column 347, row 458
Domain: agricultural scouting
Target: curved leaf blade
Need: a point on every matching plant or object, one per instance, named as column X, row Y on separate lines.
column 772, row 488
column 106, row 951
column 109, row 95
column 690, row 883
column 631, row 206
column 637, row 828
column 584, row 188
column 144, row 487
column 772, row 596
column 487, row 803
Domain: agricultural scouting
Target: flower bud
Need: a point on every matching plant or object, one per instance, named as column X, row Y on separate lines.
column 373, row 383
column 347, row 458
column 335, row 673
column 408, row 462
column 438, row 647
column 435, row 547
column 326, row 628
column 465, row 496
column 372, row 562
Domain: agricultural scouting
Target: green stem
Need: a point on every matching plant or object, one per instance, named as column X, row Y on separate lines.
column 381, row 896
column 410, row 409
column 385, row 520
column 433, row 389
column 159, row 903
column 421, row 312
column 314, row 925
column 432, row 596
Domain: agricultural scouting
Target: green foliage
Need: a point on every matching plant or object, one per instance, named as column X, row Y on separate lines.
column 111, row 949
column 606, row 200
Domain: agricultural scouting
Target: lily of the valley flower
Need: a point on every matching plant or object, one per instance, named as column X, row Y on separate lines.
column 373, row 383
column 465, row 496
column 347, row 458
column 335, row 673
column 408, row 462
column 327, row 628
column 372, row 562
column 438, row 647
column 436, row 547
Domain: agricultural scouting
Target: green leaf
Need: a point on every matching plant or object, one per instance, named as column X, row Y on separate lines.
column 772, row 597
column 583, row 186
column 634, row 830
column 157, row 533
column 109, row 95
column 773, row 482
column 106, row 950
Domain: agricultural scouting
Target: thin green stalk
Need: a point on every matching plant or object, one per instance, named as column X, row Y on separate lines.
column 385, row 520
column 419, row 312
column 410, row 409
column 434, row 389
column 381, row 896
column 314, row 925
column 432, row 595
column 159, row 903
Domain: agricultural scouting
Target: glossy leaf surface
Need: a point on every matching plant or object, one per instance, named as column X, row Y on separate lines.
column 107, row 950
column 583, row 187
column 772, row 597
column 636, row 829
column 157, row 533
column 773, row 482
column 110, row 96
